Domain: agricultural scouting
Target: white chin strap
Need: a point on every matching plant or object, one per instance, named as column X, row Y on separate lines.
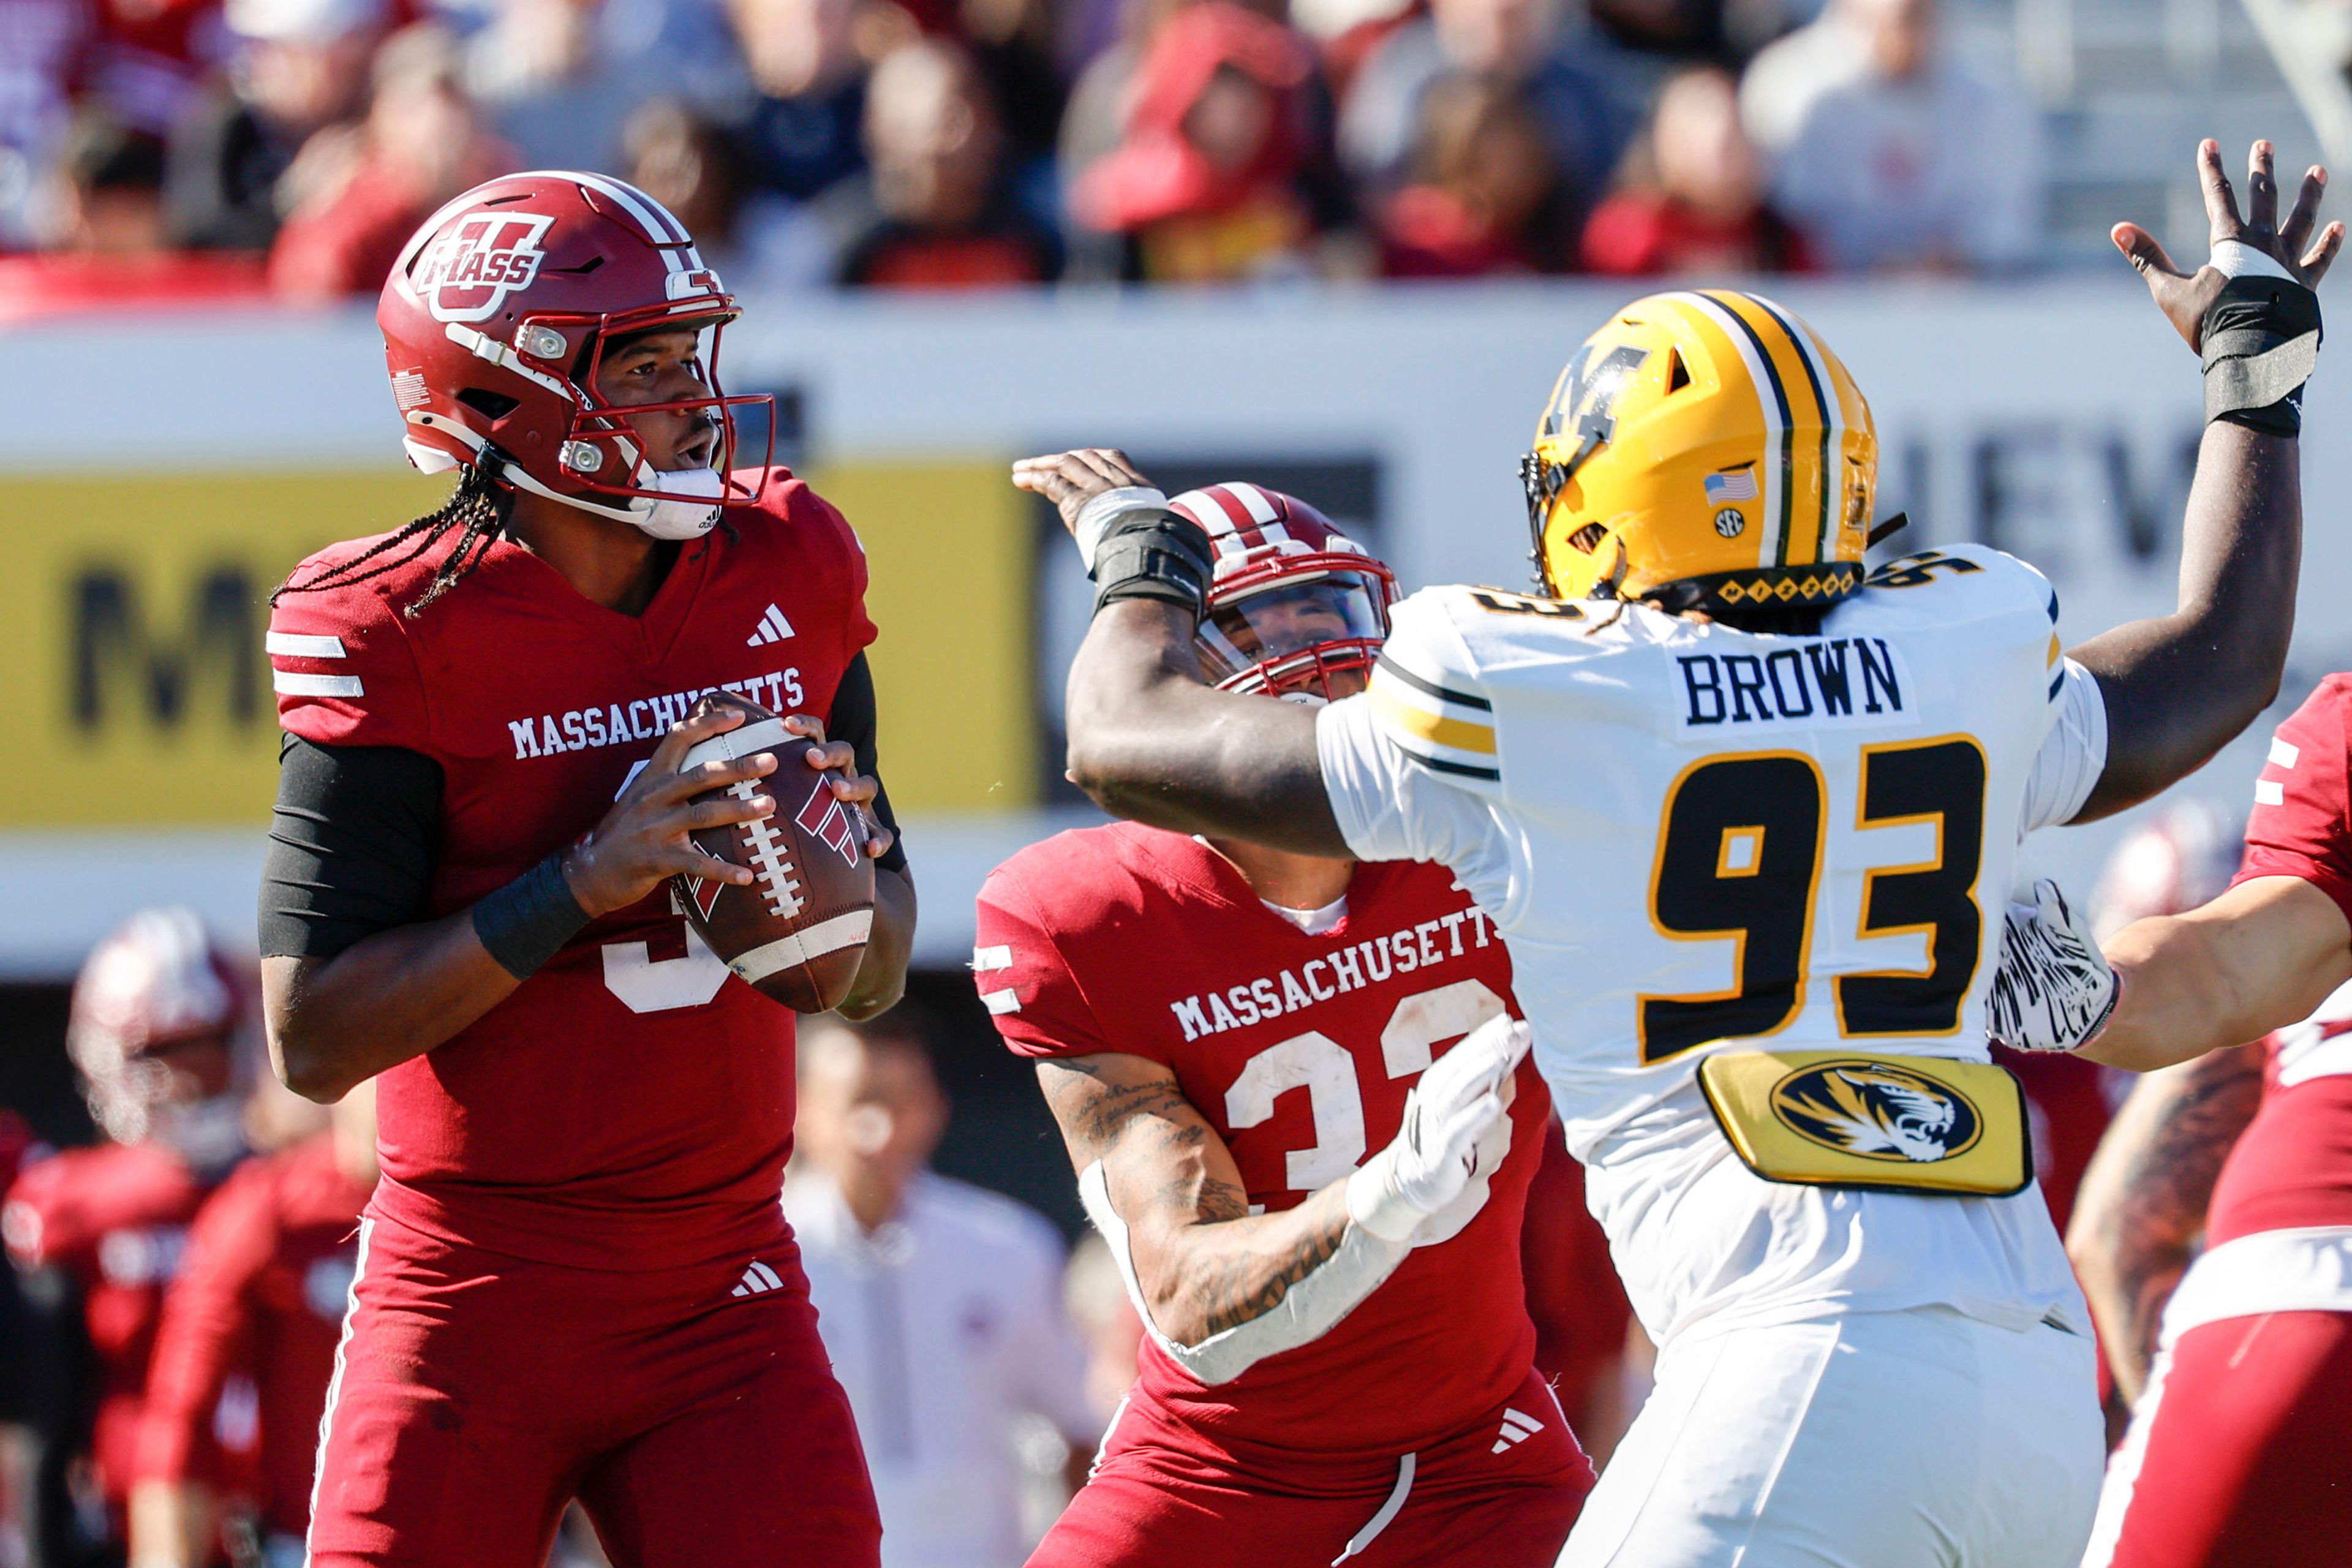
column 688, row 507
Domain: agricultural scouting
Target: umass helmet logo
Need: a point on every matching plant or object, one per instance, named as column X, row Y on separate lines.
column 478, row 261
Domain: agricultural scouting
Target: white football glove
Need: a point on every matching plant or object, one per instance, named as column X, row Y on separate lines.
column 1486, row 1157
column 2053, row 991
column 1450, row 1113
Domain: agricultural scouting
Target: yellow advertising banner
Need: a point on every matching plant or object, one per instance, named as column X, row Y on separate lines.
column 131, row 610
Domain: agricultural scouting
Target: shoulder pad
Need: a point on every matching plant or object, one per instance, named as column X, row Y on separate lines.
column 341, row 661
column 1994, row 576
column 1427, row 695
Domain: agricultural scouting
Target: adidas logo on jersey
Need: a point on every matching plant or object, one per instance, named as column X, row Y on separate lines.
column 1516, row 1429
column 772, row 628
column 758, row 1281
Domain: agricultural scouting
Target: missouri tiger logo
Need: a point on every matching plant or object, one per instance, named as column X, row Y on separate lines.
column 1877, row 1110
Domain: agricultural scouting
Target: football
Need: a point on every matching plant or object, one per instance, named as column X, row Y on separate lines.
column 797, row 932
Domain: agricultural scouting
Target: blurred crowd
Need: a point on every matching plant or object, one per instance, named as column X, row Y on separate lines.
column 202, row 148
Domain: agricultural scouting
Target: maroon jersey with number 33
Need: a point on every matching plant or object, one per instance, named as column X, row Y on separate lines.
column 630, row 1106
column 1299, row 1050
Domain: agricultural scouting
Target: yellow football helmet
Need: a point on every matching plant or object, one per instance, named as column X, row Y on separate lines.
column 1704, row 451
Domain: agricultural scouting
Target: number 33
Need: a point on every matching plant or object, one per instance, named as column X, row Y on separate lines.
column 1324, row 1069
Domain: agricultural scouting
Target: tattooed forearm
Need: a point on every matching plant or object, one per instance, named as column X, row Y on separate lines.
column 1204, row 1262
column 2143, row 1200
column 1252, row 1280
column 1094, row 1111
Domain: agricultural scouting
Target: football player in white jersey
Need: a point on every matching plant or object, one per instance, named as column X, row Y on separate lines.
column 1747, row 819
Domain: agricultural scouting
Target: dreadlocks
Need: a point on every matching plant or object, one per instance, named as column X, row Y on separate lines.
column 476, row 511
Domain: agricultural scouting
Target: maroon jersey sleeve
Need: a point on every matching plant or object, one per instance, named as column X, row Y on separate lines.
column 343, row 667
column 2301, row 822
column 60, row 1210
column 1026, row 982
column 858, row 629
column 207, row 1325
column 41, row 1220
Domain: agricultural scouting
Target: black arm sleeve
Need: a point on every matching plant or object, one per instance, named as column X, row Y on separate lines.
column 351, row 847
column 853, row 720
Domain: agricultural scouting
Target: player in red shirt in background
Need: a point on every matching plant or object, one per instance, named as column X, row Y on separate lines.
column 1577, row 1303
column 1338, row 1364
column 2236, row 1451
column 575, row 1278
column 260, row 1296
column 151, row 1032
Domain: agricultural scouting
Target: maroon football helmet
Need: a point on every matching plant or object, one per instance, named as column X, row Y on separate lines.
column 1293, row 602
column 155, row 985
column 497, row 316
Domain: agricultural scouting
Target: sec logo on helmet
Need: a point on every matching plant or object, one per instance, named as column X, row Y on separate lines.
column 480, row 259
column 1878, row 1111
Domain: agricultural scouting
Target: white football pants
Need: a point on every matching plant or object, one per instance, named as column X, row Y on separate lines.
column 1909, row 1439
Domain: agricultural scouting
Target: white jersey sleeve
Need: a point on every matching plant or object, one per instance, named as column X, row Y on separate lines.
column 2072, row 755
column 1412, row 767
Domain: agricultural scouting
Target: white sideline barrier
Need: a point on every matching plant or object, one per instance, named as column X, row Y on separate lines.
column 2053, row 417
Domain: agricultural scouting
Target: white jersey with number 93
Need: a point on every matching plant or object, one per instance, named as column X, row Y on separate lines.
column 1694, row 837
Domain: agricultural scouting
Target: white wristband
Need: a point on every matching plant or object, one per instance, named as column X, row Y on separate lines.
column 2236, row 258
column 1095, row 515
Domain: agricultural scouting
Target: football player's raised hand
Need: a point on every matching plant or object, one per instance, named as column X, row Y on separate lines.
column 645, row 837
column 1070, row 480
column 2184, row 297
column 849, row 785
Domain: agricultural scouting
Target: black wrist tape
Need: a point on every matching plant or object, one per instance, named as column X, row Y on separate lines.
column 1151, row 552
column 2261, row 341
column 523, row 923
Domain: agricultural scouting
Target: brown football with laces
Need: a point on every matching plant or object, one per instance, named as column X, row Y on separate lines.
column 797, row 930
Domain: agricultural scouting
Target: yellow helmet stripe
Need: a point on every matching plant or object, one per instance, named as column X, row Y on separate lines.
column 1773, row 397
column 1825, row 394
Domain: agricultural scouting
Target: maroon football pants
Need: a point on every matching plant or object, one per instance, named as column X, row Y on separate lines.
column 2248, row 1458
column 696, row 1419
column 1500, row 1494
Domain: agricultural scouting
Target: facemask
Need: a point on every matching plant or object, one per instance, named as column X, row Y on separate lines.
column 689, row 506
column 208, row 1134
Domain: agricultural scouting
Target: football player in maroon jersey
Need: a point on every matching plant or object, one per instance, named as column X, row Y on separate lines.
column 574, row 1276
column 2236, row 1450
column 260, row 1298
column 154, row 1015
column 1339, row 1362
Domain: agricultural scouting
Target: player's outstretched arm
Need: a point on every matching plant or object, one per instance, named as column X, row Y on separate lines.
column 334, row 1022
column 1222, row 1288
column 2142, row 1204
column 2258, row 958
column 1149, row 740
column 2179, row 687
